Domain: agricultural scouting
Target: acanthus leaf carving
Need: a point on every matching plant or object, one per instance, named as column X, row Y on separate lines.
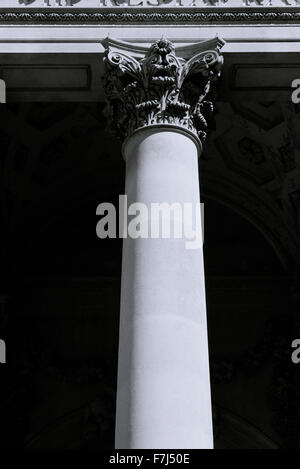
column 161, row 88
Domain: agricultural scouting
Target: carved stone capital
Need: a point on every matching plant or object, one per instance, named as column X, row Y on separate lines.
column 161, row 86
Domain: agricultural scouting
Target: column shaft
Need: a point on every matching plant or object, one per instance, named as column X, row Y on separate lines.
column 163, row 398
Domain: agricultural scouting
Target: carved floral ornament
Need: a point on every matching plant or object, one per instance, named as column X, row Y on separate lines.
column 150, row 11
column 162, row 88
column 199, row 3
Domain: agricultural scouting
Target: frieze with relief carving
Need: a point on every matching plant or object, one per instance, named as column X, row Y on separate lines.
column 149, row 11
column 138, row 3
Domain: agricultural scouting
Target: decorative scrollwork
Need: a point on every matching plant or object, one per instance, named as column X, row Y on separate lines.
column 184, row 16
column 161, row 88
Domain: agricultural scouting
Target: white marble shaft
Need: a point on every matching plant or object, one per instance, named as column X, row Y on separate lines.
column 163, row 398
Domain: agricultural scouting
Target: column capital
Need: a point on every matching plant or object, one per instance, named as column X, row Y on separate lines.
column 160, row 86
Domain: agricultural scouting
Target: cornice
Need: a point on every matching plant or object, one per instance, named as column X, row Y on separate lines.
column 155, row 15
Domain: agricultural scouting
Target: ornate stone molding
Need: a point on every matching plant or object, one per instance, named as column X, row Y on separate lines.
column 161, row 88
column 194, row 16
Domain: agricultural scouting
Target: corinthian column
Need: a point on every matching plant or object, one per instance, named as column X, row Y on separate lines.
column 160, row 105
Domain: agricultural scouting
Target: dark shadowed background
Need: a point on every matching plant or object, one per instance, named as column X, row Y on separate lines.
column 60, row 284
